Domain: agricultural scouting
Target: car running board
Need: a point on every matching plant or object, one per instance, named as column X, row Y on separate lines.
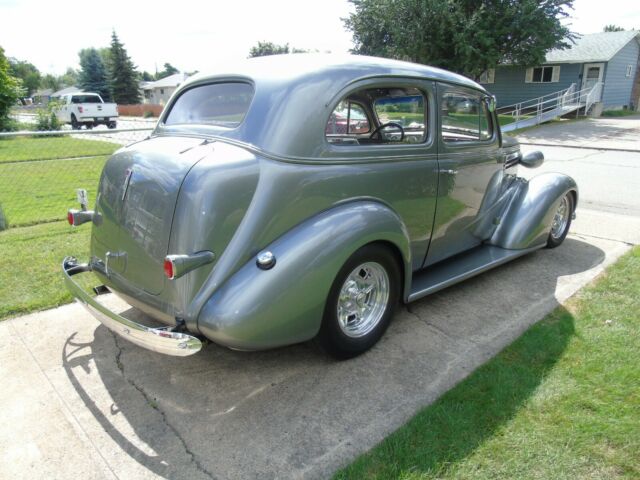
column 459, row 268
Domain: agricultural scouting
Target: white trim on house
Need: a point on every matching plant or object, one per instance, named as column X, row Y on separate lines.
column 488, row 76
column 530, row 74
column 585, row 70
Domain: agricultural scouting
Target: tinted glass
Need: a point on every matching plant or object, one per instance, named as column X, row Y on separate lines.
column 465, row 118
column 547, row 74
column 85, row 99
column 220, row 104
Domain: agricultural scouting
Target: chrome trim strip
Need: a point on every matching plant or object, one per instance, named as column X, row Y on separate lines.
column 161, row 340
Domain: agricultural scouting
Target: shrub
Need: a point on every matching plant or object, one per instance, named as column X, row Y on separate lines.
column 148, row 114
column 47, row 121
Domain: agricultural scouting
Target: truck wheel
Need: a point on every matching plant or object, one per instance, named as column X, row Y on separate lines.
column 112, row 125
column 361, row 302
column 561, row 221
column 89, row 126
column 74, row 122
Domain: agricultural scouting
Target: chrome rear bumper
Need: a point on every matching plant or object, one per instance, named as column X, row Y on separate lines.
column 161, row 340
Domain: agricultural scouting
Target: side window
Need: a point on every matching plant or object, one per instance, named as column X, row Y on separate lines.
column 348, row 118
column 379, row 115
column 465, row 118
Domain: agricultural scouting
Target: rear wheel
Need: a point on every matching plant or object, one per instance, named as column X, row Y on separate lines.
column 74, row 122
column 361, row 302
column 561, row 221
column 111, row 125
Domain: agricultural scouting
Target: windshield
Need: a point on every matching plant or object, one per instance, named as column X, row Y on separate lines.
column 220, row 104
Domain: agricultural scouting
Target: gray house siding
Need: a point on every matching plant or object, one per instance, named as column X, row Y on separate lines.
column 617, row 86
column 509, row 86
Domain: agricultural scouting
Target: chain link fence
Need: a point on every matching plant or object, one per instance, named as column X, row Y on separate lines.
column 40, row 171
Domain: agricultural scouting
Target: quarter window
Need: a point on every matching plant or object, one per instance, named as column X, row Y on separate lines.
column 465, row 118
column 348, row 118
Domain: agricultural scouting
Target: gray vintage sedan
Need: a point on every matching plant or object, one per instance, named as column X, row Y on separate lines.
column 303, row 196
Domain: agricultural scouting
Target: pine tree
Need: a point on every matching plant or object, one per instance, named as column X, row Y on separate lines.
column 93, row 75
column 122, row 74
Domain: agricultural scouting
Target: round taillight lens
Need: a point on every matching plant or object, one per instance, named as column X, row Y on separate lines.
column 70, row 218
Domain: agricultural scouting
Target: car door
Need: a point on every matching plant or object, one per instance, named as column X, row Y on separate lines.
column 469, row 165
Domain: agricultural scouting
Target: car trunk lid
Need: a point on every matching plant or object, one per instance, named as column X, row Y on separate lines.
column 136, row 202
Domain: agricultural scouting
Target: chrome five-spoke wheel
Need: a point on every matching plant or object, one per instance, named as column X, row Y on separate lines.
column 361, row 301
column 561, row 221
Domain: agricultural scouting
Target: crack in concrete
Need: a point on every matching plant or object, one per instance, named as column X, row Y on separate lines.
column 467, row 343
column 156, row 407
column 617, row 240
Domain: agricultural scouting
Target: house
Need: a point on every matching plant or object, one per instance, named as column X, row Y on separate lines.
column 42, row 97
column 64, row 91
column 160, row 91
column 607, row 57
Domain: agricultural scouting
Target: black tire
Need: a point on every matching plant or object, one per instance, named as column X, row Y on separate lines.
column 112, row 125
column 89, row 126
column 332, row 337
column 74, row 122
column 556, row 238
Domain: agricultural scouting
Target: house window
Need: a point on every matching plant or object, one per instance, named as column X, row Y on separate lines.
column 629, row 70
column 488, row 76
column 162, row 91
column 542, row 75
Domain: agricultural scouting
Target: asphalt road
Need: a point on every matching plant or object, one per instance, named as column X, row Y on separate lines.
column 78, row 402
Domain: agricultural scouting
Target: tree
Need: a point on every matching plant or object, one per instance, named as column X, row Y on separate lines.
column 612, row 28
column 464, row 36
column 26, row 72
column 147, row 77
column 93, row 75
column 168, row 70
column 268, row 48
column 51, row 81
column 10, row 91
column 69, row 78
column 123, row 75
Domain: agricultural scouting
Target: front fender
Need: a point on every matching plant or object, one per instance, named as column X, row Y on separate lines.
column 528, row 217
column 257, row 309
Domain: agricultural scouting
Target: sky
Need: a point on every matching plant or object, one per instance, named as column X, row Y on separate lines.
column 196, row 35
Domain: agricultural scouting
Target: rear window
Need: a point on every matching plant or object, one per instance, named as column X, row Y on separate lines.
column 86, row 99
column 219, row 104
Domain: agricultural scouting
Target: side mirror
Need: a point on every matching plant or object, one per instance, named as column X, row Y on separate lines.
column 532, row 159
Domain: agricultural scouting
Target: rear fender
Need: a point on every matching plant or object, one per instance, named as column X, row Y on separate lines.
column 527, row 219
column 257, row 309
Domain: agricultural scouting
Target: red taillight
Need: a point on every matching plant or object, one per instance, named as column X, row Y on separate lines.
column 168, row 268
column 70, row 218
column 80, row 110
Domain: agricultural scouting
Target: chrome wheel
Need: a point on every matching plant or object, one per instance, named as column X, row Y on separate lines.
column 561, row 219
column 363, row 299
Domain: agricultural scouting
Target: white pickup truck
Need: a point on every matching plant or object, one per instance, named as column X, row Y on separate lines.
column 86, row 109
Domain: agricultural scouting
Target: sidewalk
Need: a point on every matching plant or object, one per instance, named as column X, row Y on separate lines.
column 598, row 133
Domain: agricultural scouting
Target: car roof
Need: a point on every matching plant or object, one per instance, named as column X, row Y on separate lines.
column 294, row 94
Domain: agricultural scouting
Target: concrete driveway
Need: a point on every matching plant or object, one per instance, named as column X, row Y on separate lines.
column 78, row 402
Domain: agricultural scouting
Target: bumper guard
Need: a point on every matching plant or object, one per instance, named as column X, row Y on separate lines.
column 161, row 340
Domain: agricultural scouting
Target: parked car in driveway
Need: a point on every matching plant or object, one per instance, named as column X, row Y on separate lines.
column 88, row 109
column 247, row 219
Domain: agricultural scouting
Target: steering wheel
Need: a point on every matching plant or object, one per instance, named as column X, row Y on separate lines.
column 378, row 130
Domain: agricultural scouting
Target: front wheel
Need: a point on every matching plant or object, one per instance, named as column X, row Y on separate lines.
column 561, row 221
column 112, row 125
column 361, row 302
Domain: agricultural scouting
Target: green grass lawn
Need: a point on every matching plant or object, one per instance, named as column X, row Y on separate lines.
column 562, row 402
column 19, row 149
column 38, row 180
column 619, row 113
column 30, row 265
column 36, row 192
